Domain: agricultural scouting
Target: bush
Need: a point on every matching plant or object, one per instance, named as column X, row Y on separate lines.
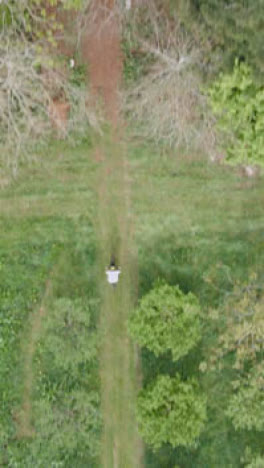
column 246, row 407
column 238, row 103
column 167, row 319
column 171, row 411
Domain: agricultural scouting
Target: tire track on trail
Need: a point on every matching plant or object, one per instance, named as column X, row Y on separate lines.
column 121, row 445
column 24, row 423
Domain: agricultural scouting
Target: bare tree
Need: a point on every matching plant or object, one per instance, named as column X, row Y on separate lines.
column 36, row 94
column 30, row 87
column 167, row 101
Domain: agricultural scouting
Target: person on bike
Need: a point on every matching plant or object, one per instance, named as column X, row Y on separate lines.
column 112, row 272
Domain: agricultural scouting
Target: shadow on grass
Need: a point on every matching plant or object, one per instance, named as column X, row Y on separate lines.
column 220, row 258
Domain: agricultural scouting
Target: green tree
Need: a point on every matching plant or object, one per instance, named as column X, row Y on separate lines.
column 246, row 407
column 257, row 462
column 240, row 326
column 167, row 319
column 171, row 411
column 238, row 103
column 252, row 460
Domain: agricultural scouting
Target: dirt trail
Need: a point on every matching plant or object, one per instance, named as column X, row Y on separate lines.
column 101, row 50
column 121, row 445
column 24, row 418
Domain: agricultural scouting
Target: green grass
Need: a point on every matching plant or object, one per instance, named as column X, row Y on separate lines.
column 47, row 236
column 186, row 219
column 71, row 203
column 191, row 216
column 121, row 445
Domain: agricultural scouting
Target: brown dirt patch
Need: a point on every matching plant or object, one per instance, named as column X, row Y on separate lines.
column 59, row 113
column 102, row 52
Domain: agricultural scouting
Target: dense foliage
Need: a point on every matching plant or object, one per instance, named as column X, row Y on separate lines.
column 246, row 406
column 241, row 325
column 166, row 319
column 171, row 411
column 227, row 28
column 240, row 346
column 238, row 103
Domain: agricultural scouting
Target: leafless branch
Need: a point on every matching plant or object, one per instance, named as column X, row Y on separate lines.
column 30, row 84
column 167, row 101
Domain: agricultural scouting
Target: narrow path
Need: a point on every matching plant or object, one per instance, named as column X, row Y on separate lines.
column 24, row 418
column 121, row 445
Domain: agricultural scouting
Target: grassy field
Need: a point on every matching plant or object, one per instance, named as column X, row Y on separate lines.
column 192, row 216
column 48, row 253
column 167, row 215
column 74, row 205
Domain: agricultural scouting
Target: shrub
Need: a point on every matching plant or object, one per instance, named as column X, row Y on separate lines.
column 167, row 319
column 238, row 103
column 171, row 411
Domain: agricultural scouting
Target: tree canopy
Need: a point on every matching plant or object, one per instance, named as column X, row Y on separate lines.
column 242, row 325
column 238, row 103
column 246, row 406
column 167, row 319
column 240, row 346
column 171, row 411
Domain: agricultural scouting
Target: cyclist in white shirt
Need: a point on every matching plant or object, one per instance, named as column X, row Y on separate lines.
column 112, row 272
